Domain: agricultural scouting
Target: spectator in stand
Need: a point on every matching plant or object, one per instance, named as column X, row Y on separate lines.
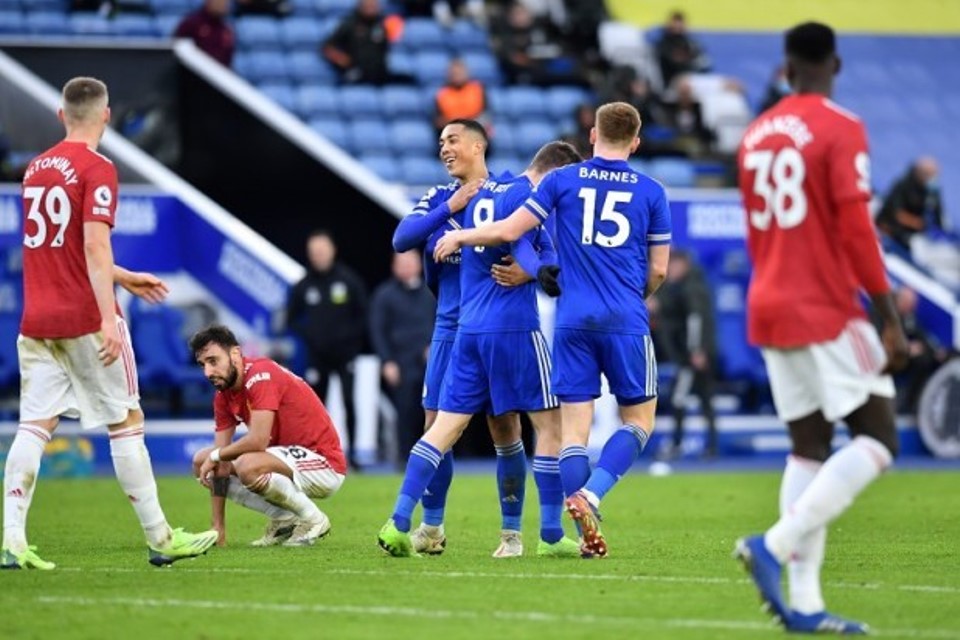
column 926, row 354
column 688, row 335
column 461, row 97
column 777, row 88
column 209, row 29
column 624, row 84
column 584, row 118
column 530, row 51
column 678, row 52
column 327, row 309
column 913, row 222
column 402, row 313
column 446, row 11
column 693, row 138
column 359, row 46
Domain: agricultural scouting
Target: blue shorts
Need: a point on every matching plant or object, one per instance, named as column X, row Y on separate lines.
column 498, row 373
column 437, row 362
column 627, row 360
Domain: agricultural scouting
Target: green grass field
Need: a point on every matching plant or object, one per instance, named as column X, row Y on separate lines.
column 892, row 561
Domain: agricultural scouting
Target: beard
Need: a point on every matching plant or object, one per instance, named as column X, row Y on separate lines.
column 222, row 384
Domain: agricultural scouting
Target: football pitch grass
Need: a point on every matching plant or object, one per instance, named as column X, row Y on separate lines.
column 892, row 561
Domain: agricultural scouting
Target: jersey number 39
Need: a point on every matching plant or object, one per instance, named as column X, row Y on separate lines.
column 54, row 205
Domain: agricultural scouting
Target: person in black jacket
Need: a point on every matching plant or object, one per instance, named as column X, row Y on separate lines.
column 688, row 335
column 402, row 312
column 328, row 310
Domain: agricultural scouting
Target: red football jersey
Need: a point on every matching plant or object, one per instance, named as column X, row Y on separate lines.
column 63, row 188
column 301, row 419
column 798, row 163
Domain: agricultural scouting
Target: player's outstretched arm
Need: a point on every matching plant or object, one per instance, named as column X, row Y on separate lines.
column 141, row 284
column 489, row 235
column 657, row 269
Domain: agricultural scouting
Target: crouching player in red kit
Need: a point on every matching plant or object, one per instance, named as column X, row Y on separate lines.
column 290, row 454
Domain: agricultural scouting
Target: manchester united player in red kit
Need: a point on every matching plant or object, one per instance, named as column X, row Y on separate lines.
column 804, row 177
column 290, row 453
column 74, row 349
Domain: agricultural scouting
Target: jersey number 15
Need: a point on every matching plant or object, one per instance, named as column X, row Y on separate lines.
column 53, row 206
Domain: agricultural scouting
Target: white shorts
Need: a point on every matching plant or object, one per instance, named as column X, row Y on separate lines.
column 311, row 471
column 64, row 377
column 835, row 377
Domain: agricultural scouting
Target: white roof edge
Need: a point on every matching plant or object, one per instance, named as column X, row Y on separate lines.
column 122, row 149
column 387, row 195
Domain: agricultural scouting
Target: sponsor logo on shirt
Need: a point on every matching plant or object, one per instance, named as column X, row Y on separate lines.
column 103, row 196
column 255, row 378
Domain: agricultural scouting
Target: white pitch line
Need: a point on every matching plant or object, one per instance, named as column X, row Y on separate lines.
column 869, row 586
column 461, row 614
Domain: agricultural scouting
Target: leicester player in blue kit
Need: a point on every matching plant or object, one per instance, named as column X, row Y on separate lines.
column 463, row 145
column 500, row 360
column 613, row 239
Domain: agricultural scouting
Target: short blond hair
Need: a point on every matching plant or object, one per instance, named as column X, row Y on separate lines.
column 618, row 123
column 84, row 99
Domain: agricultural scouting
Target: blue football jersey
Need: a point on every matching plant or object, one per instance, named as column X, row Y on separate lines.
column 485, row 306
column 607, row 214
column 420, row 230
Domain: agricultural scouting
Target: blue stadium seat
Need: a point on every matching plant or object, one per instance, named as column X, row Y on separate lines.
column 9, row 361
column 497, row 103
column 504, row 137
column 163, row 359
column 413, row 136
column 400, row 61
column 10, row 5
column 57, row 6
column 430, row 67
column 258, row 32
column 422, row 33
column 301, row 33
column 135, row 25
column 314, row 101
column 167, row 24
column 562, row 100
column 90, row 24
column 173, row 7
column 50, row 23
column 422, row 171
column 403, row 100
column 382, row 164
column 267, row 66
column 524, row 103
column 307, row 67
column 369, row 135
column 12, row 22
column 304, row 8
column 281, row 93
column 532, row 135
column 335, row 7
column 332, row 128
column 499, row 162
column 359, row 101
column 483, row 66
column 465, row 36
column 673, row 172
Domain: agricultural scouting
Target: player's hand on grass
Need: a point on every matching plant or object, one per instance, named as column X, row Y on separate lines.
column 547, row 277
column 447, row 245
column 463, row 195
column 110, row 349
column 206, row 472
column 897, row 348
column 145, row 285
column 510, row 273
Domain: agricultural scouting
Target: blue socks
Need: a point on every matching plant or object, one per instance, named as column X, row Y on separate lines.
column 617, row 456
column 546, row 473
column 511, row 483
column 434, row 499
column 574, row 468
column 421, row 467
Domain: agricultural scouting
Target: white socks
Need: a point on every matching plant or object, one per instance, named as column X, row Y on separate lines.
column 19, row 480
column 803, row 570
column 841, row 478
column 131, row 462
column 280, row 490
column 243, row 496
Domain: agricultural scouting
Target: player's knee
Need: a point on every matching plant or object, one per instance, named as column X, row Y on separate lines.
column 504, row 431
column 889, row 439
column 811, row 449
column 247, row 472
